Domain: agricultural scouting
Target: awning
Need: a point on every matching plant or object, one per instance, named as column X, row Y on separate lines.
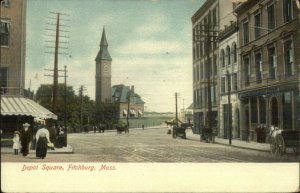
column 125, row 112
column 132, row 112
column 140, row 112
column 23, row 106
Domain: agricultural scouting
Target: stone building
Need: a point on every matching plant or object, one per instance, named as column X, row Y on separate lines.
column 129, row 102
column 269, row 37
column 207, row 21
column 13, row 47
column 103, row 72
column 228, row 81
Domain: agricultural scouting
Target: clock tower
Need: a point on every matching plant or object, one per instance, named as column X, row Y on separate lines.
column 103, row 72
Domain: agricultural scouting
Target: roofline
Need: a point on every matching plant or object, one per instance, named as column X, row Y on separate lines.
column 202, row 9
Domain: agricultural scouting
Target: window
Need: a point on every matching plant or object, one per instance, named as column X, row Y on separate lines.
column 5, row 3
column 262, row 110
column 4, row 31
column 287, row 10
column 258, row 67
column 272, row 63
column 228, row 60
column 254, row 110
column 271, row 17
column 234, row 52
column 247, row 71
column 223, row 82
column 246, row 32
column 195, row 98
column 229, row 82
column 202, row 48
column 198, row 72
column 210, row 66
column 3, row 80
column 257, row 23
column 194, row 73
column 201, row 71
column 234, row 81
column 197, row 50
column 215, row 65
column 287, row 110
column 214, row 13
column 222, row 58
column 194, row 53
column 288, row 58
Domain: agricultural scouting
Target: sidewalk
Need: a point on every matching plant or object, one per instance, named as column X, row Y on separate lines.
column 234, row 142
column 63, row 150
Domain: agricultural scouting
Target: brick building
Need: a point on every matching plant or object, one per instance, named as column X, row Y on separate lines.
column 269, row 37
column 13, row 47
column 103, row 72
column 207, row 21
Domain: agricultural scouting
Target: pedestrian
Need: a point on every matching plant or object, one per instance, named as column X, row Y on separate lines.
column 42, row 138
column 16, row 142
column 25, row 139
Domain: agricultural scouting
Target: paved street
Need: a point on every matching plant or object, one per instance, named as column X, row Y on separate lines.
column 149, row 145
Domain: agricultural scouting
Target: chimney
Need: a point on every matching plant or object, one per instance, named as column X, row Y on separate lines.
column 132, row 89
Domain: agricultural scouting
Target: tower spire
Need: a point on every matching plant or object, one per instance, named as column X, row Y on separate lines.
column 103, row 38
column 103, row 53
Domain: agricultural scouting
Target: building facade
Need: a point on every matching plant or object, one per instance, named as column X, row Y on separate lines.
column 103, row 72
column 207, row 22
column 229, row 103
column 269, row 37
column 129, row 103
column 13, row 47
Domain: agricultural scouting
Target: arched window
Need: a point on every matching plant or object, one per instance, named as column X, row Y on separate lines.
column 234, row 52
column 222, row 58
column 228, row 61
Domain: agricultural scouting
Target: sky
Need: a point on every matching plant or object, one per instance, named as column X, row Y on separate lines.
column 150, row 42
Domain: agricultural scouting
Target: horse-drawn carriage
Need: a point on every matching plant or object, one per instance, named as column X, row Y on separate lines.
column 280, row 140
column 179, row 131
column 122, row 128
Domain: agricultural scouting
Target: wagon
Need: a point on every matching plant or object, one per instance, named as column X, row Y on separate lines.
column 179, row 132
column 283, row 140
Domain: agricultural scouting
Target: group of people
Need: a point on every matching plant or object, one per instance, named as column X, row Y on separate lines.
column 21, row 140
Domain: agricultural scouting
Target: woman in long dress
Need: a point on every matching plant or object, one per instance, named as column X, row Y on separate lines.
column 25, row 139
column 42, row 138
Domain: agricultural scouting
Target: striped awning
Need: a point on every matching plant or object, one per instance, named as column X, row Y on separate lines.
column 24, row 107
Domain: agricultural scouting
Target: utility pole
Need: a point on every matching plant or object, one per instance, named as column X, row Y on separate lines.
column 128, row 108
column 81, row 90
column 176, row 111
column 206, row 33
column 56, row 47
column 65, row 111
column 229, row 107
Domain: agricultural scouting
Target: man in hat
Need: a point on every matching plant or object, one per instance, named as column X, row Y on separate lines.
column 25, row 139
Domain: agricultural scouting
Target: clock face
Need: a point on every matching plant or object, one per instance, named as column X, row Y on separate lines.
column 105, row 68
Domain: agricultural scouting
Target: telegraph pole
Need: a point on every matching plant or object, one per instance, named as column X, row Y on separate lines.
column 229, row 107
column 206, row 33
column 81, row 90
column 176, row 111
column 56, row 47
column 65, row 111
column 128, row 108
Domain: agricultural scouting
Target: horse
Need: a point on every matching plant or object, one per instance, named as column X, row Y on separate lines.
column 276, row 140
column 122, row 127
